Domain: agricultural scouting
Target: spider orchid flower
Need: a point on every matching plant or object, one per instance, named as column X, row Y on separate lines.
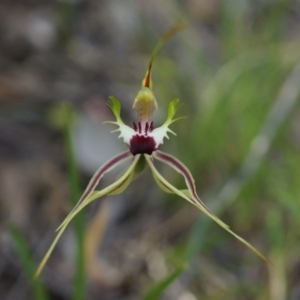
column 143, row 141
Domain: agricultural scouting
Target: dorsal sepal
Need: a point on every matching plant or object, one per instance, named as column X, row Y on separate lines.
column 145, row 102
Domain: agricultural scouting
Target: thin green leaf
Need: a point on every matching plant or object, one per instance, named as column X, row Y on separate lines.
column 23, row 252
column 79, row 227
column 157, row 290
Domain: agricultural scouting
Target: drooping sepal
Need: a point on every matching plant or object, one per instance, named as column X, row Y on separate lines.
column 108, row 166
column 147, row 81
column 179, row 167
column 145, row 102
column 190, row 194
column 90, row 195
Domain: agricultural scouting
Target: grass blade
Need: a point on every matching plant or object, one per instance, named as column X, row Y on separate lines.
column 79, row 280
column 157, row 290
column 23, row 252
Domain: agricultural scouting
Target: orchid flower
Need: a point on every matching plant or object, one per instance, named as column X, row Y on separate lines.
column 143, row 141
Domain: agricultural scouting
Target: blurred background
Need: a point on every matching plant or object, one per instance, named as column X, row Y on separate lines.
column 236, row 69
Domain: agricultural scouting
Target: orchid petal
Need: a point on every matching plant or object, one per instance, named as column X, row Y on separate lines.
column 126, row 132
column 161, row 132
column 173, row 107
column 115, row 106
column 89, row 195
column 184, row 194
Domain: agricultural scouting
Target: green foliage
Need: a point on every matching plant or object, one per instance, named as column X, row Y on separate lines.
column 231, row 103
column 79, row 227
column 230, row 91
column 158, row 289
column 62, row 117
column 23, row 251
